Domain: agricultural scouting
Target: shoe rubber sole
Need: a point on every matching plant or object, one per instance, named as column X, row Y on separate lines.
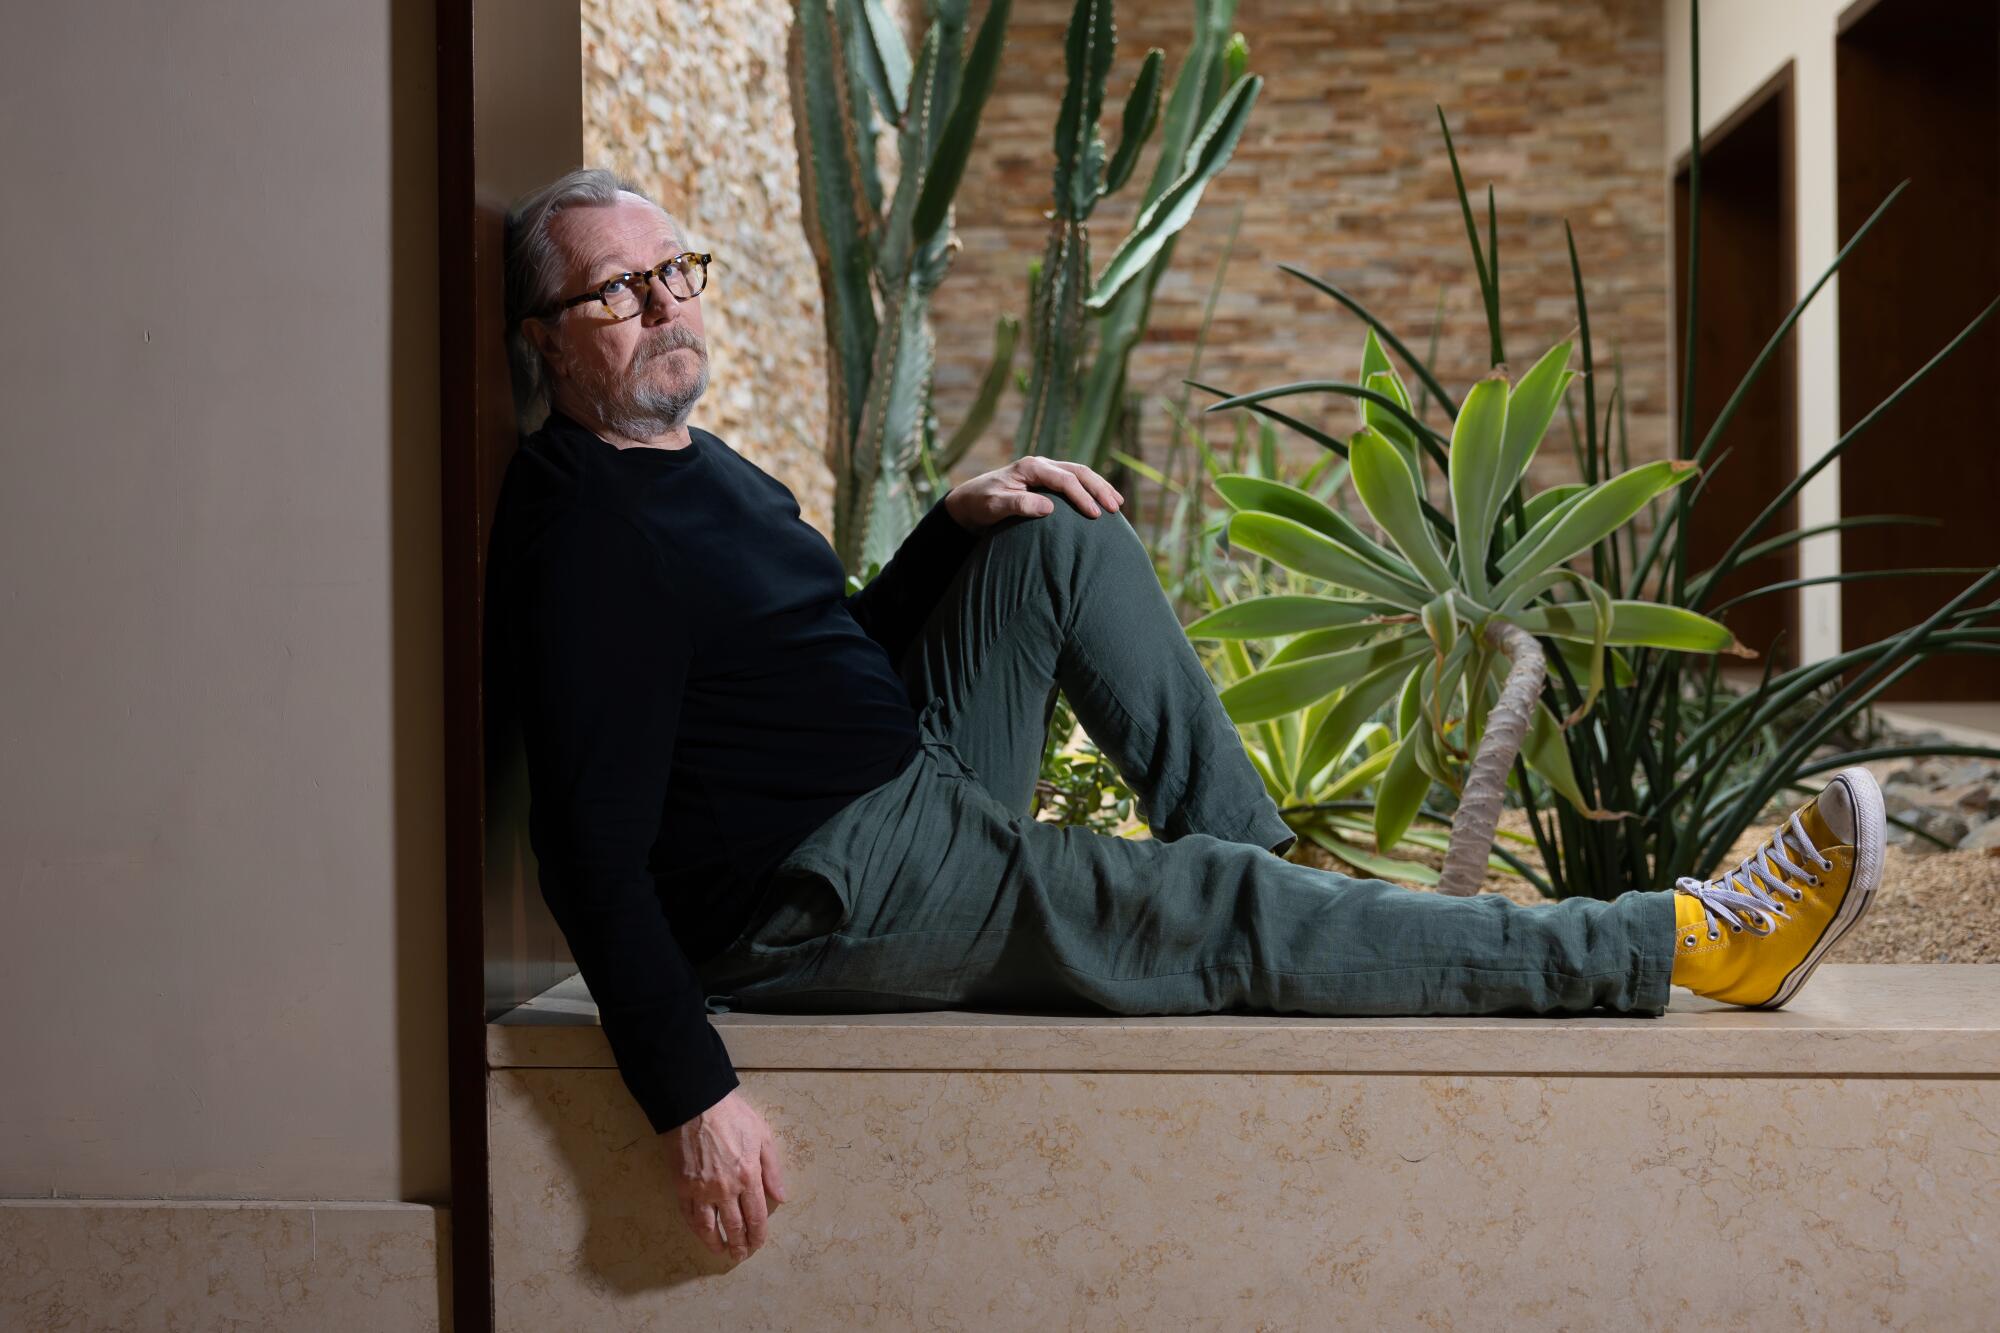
column 1866, row 797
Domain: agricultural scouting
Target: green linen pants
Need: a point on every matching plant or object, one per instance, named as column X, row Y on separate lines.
column 939, row 889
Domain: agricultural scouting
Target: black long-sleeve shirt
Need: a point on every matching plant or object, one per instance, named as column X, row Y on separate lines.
column 697, row 693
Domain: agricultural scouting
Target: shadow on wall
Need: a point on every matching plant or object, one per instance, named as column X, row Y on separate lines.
column 414, row 556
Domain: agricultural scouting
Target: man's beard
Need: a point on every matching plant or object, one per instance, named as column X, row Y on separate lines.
column 631, row 405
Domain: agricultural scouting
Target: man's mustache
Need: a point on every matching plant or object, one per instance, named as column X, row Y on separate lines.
column 667, row 340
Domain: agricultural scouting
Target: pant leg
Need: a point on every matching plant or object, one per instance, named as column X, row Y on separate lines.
column 943, row 898
column 1066, row 600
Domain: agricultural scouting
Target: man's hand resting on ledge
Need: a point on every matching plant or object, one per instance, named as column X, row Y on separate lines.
column 725, row 1164
column 1003, row 492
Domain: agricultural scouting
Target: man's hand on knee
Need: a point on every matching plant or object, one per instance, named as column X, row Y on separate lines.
column 1005, row 492
column 728, row 1176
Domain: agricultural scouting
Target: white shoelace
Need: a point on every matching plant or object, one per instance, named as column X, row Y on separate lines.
column 1723, row 898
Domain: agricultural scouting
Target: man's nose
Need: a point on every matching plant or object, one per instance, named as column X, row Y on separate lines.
column 660, row 303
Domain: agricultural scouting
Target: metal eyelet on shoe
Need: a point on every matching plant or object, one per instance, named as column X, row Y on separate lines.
column 1713, row 935
column 1689, row 941
column 1737, row 929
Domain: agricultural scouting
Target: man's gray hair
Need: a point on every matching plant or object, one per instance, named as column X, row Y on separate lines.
column 535, row 266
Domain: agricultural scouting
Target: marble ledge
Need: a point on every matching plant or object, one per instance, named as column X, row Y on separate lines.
column 1934, row 1020
column 94, row 1263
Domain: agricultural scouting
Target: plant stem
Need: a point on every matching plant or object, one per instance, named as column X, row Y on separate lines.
column 1478, row 811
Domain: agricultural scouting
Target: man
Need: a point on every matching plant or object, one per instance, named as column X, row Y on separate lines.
column 750, row 788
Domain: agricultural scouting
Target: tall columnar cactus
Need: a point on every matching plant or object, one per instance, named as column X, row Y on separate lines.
column 880, row 261
column 1073, row 407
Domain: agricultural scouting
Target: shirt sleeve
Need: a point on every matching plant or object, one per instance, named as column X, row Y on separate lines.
column 603, row 656
column 893, row 607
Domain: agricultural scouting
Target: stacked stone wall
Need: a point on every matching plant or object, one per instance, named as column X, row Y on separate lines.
column 1342, row 171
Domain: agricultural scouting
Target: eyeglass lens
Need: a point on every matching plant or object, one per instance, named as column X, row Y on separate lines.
column 684, row 277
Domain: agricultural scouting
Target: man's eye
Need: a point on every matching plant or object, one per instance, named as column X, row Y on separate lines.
column 614, row 287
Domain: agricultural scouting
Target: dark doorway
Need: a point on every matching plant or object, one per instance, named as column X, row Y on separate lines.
column 1747, row 288
column 1918, row 94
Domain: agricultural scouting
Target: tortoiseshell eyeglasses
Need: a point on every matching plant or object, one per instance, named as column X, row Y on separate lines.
column 628, row 294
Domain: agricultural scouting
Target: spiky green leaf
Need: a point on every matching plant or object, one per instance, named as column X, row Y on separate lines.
column 1601, row 510
column 1279, row 614
column 1546, row 754
column 1320, row 642
column 1382, row 479
column 1376, row 867
column 1301, row 549
column 1633, row 624
column 1542, row 503
column 1360, row 702
column 1240, row 490
column 1274, row 691
column 1476, row 483
column 1398, row 798
column 1530, row 407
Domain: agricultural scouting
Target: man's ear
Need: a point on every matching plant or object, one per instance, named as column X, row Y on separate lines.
column 544, row 341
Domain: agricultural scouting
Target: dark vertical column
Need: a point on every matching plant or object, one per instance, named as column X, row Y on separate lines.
column 1748, row 286
column 1918, row 97
column 510, row 116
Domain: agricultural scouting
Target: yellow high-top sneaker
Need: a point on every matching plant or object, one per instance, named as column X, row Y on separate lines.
column 1786, row 904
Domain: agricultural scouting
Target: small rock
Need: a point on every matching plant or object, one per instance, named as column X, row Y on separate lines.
column 1904, row 800
column 1984, row 838
column 1951, row 771
column 1978, row 801
column 1944, row 825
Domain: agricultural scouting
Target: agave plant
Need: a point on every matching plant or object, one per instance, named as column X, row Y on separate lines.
column 1325, row 805
column 1317, row 800
column 1444, row 618
column 1664, row 749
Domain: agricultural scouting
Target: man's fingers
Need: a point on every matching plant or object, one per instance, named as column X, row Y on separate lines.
column 1044, row 472
column 732, row 1226
column 1100, row 490
column 754, row 1216
column 1062, row 479
column 774, row 1174
column 701, row 1221
column 1091, row 493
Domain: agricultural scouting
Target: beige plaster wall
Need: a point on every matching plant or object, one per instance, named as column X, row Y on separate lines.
column 221, row 865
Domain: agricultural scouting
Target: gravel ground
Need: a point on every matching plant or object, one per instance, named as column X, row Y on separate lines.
column 1937, row 907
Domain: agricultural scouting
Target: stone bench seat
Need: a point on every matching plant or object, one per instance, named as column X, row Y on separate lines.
column 1832, row 1164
